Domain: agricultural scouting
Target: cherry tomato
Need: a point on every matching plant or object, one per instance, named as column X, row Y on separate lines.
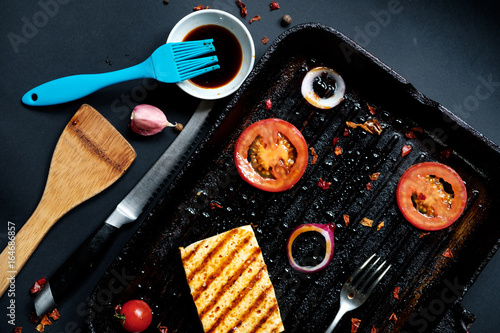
column 431, row 195
column 271, row 155
column 135, row 315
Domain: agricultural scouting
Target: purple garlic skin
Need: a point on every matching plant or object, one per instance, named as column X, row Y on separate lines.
column 148, row 120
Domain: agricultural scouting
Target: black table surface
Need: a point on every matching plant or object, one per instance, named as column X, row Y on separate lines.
column 447, row 49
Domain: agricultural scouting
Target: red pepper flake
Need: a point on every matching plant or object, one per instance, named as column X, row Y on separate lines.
column 446, row 153
column 393, row 317
column 421, row 196
column 355, row 322
column 374, row 330
column 54, row 314
column 369, row 186
column 346, row 132
column 338, row 151
column 45, row 321
column 335, row 141
column 374, row 176
column 423, row 234
column 324, row 184
column 372, row 109
column 274, row 5
column 371, row 126
column 243, row 8
column 17, row 330
column 163, row 329
column 40, row 328
column 366, row 222
column 406, row 150
column 33, row 318
column 410, row 135
column 447, row 253
column 346, row 219
column 395, row 292
column 269, row 104
column 255, row 18
column 200, row 7
column 264, row 40
column 380, row 225
column 314, row 156
column 215, row 205
column 38, row 285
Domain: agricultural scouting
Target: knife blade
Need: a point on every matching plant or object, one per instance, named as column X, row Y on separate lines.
column 128, row 210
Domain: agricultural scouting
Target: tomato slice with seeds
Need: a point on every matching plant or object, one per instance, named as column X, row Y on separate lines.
column 431, row 195
column 271, row 155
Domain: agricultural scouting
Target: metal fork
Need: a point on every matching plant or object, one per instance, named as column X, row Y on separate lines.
column 358, row 287
column 170, row 63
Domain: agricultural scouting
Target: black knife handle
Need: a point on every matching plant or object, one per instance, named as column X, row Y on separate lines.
column 81, row 262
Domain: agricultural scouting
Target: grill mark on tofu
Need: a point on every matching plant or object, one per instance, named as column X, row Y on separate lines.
column 212, row 253
column 218, row 269
column 263, row 320
column 250, row 310
column 220, row 294
column 237, row 300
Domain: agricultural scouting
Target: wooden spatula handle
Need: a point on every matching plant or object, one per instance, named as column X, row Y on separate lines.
column 16, row 254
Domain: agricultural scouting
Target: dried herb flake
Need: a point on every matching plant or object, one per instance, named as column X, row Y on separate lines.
column 371, row 126
column 366, row 222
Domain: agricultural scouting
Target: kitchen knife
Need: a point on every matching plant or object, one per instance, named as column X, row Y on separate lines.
column 128, row 210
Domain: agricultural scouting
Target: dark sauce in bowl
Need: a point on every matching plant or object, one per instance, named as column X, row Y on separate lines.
column 228, row 51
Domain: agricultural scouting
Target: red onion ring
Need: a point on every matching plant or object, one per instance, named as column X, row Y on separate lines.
column 326, row 230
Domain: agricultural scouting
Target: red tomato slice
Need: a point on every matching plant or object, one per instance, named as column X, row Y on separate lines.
column 431, row 195
column 271, row 155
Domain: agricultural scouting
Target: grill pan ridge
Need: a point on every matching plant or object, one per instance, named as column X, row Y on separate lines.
column 428, row 281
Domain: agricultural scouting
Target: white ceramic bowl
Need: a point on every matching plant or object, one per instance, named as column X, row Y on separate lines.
column 228, row 21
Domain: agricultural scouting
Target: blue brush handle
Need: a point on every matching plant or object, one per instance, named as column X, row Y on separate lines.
column 73, row 87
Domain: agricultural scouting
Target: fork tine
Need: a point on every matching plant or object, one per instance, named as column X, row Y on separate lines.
column 372, row 275
column 192, row 74
column 374, row 284
column 359, row 270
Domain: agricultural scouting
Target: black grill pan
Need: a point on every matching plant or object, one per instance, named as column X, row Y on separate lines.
column 208, row 197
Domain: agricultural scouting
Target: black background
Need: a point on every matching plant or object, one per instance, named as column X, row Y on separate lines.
column 446, row 49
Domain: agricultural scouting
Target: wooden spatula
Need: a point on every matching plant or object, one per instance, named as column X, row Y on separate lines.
column 89, row 156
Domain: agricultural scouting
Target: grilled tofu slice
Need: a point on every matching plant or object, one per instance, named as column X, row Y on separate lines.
column 230, row 284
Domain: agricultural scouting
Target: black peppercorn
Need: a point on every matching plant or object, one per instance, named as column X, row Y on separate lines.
column 286, row 20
